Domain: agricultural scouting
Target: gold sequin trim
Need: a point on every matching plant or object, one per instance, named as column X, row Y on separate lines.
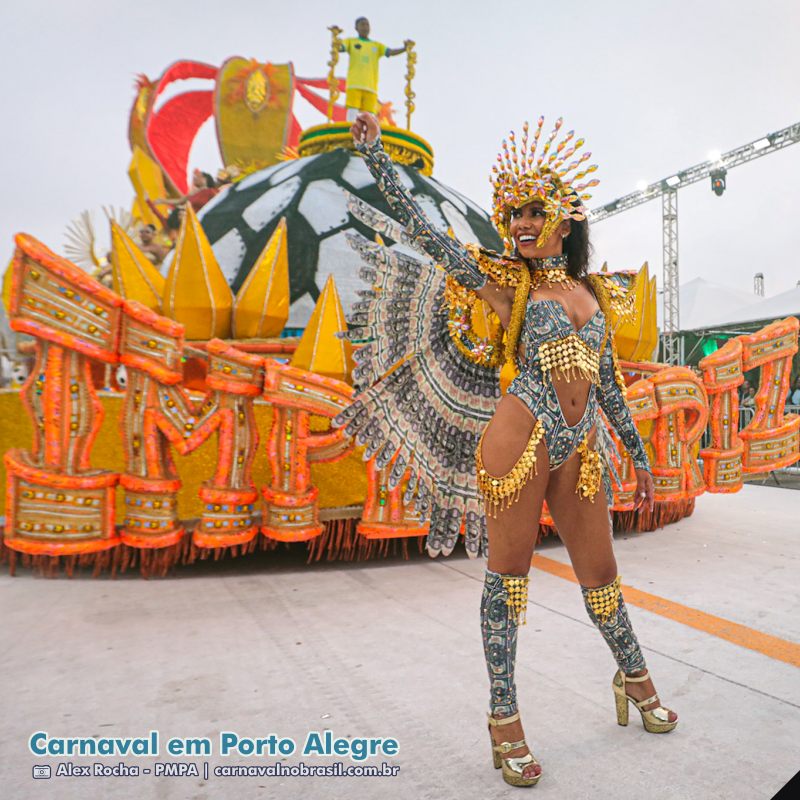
column 551, row 276
column 604, row 600
column 500, row 491
column 615, row 300
column 517, row 602
column 618, row 303
column 518, row 310
column 462, row 306
column 590, row 475
column 503, row 270
column 618, row 377
column 571, row 356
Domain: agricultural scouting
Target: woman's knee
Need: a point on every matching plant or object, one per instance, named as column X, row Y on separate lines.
column 593, row 575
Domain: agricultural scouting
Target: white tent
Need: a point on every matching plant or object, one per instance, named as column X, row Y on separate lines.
column 781, row 305
column 703, row 303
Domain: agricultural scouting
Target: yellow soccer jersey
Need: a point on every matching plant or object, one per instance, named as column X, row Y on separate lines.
column 362, row 73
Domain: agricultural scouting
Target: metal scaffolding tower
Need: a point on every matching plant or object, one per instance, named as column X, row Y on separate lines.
column 671, row 318
column 667, row 189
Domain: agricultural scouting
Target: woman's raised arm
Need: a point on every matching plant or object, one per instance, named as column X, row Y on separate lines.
column 444, row 250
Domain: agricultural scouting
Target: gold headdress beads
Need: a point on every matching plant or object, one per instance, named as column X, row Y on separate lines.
column 521, row 177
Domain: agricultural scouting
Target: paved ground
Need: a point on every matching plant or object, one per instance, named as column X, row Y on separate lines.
column 393, row 649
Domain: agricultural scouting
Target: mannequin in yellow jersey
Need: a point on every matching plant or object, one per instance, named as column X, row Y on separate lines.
column 362, row 71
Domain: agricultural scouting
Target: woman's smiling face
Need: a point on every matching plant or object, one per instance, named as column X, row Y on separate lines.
column 526, row 225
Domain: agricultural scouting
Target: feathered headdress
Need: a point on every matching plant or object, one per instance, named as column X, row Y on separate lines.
column 521, row 176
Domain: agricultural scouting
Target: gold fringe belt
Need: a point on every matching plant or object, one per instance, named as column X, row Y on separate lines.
column 500, row 491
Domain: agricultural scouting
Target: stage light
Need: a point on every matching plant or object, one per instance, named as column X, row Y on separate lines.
column 672, row 181
column 718, row 184
column 761, row 144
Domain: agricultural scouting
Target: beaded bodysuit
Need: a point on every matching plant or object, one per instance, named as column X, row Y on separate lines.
column 548, row 339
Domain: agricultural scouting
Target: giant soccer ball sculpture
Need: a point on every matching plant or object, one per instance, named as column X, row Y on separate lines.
column 311, row 193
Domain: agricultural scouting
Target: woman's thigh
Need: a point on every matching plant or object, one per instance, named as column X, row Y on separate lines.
column 583, row 526
column 513, row 533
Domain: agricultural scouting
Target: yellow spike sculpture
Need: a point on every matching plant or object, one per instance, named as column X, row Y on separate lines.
column 319, row 349
column 148, row 183
column 135, row 277
column 196, row 292
column 637, row 339
column 262, row 304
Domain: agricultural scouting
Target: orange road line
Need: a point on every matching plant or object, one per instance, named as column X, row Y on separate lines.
column 771, row 646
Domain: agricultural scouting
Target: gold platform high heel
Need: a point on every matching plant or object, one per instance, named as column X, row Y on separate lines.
column 656, row 720
column 513, row 768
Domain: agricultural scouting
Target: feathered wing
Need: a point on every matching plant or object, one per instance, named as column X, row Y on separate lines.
column 420, row 397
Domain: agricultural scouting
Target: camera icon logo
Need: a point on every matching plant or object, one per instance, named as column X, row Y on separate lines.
column 41, row 771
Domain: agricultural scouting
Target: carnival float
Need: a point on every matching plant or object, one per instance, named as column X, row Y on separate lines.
column 160, row 413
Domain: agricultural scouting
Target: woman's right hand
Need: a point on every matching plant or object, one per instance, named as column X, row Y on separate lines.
column 365, row 128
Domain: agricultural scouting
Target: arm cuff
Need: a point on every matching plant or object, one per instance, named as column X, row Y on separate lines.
column 643, row 465
column 370, row 147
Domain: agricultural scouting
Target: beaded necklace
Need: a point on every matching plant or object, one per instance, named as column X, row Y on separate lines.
column 552, row 269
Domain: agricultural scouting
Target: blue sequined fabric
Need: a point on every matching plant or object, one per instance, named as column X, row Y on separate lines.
column 618, row 633
column 499, row 632
column 546, row 320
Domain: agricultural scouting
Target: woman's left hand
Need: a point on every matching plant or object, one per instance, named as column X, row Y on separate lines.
column 645, row 492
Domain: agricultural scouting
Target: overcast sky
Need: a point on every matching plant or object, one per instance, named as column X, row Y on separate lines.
column 652, row 86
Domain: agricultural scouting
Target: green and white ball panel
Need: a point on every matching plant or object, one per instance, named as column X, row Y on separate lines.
column 311, row 193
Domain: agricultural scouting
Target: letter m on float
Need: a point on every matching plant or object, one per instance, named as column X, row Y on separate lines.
column 159, row 413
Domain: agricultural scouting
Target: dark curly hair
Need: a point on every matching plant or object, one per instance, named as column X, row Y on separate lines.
column 578, row 249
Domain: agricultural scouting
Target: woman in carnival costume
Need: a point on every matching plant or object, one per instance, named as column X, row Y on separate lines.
column 429, row 384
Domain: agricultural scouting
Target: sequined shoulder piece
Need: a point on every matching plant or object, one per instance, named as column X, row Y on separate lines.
column 616, row 295
column 503, row 270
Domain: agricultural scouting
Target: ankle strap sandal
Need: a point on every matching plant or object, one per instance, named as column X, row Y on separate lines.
column 513, row 768
column 655, row 720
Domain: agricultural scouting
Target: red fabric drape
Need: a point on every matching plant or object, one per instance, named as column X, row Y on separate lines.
column 173, row 128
